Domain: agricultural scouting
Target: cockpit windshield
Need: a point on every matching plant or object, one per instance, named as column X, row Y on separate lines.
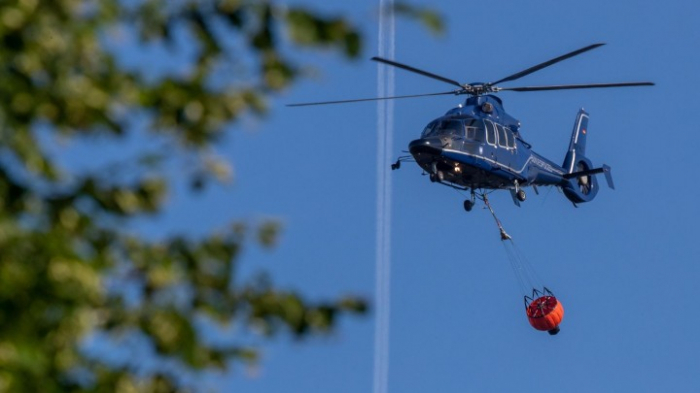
column 428, row 129
column 470, row 129
column 444, row 127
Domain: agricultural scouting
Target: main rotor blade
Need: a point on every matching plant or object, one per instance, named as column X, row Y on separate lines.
column 372, row 99
column 584, row 86
column 546, row 64
column 417, row 71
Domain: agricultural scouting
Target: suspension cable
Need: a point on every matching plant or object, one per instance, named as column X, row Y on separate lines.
column 525, row 274
column 504, row 235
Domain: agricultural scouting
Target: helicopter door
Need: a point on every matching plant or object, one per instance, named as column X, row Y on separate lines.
column 490, row 146
column 502, row 138
column 490, row 133
column 506, row 145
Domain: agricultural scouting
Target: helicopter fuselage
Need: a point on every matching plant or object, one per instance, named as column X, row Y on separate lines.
column 483, row 165
column 478, row 146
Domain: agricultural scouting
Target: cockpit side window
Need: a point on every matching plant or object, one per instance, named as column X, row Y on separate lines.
column 475, row 130
column 470, row 132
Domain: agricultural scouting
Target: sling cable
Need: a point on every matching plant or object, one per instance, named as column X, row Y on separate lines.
column 543, row 309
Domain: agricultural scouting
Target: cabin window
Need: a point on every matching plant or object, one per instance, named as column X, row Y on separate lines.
column 502, row 138
column 511, row 139
column 490, row 133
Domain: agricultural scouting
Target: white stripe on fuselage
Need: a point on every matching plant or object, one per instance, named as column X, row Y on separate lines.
column 578, row 127
column 540, row 162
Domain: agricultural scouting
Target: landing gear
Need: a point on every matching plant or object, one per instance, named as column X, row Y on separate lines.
column 519, row 192
column 435, row 174
column 469, row 203
column 438, row 176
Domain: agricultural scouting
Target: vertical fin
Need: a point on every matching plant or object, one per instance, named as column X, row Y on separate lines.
column 577, row 145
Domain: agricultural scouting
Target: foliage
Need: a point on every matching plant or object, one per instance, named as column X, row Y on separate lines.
column 69, row 266
column 62, row 234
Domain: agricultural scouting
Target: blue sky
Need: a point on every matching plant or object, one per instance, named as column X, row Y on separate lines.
column 625, row 266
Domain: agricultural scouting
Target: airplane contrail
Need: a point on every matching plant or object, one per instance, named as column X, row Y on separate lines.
column 385, row 130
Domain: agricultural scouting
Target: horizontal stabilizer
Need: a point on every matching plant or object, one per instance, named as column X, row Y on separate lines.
column 608, row 176
column 604, row 169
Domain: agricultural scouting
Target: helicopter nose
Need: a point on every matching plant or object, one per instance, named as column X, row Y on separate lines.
column 423, row 146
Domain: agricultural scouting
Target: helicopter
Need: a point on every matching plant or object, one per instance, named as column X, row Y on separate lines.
column 477, row 146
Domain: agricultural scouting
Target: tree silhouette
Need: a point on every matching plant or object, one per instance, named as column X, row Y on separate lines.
column 69, row 265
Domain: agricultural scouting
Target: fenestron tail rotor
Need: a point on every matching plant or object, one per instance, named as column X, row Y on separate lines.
column 486, row 88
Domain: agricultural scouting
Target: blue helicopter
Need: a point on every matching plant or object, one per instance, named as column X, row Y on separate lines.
column 477, row 146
